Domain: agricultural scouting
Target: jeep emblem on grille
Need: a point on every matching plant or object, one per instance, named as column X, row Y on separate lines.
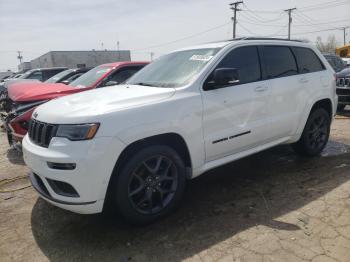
column 35, row 115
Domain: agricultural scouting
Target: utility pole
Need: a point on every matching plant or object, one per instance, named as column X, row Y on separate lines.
column 344, row 31
column 118, row 50
column 19, row 57
column 290, row 10
column 234, row 8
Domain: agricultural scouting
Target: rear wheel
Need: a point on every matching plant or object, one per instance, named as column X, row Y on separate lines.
column 150, row 184
column 315, row 135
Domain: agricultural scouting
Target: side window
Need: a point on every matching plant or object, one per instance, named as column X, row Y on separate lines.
column 246, row 60
column 53, row 72
column 73, row 77
column 122, row 75
column 279, row 61
column 36, row 75
column 308, row 61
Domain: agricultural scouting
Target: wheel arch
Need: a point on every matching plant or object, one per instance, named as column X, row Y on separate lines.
column 174, row 140
column 325, row 104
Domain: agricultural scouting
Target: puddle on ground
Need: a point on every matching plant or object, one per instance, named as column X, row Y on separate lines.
column 334, row 148
column 285, row 153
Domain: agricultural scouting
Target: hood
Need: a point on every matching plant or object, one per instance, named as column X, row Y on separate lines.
column 11, row 81
column 89, row 106
column 35, row 91
column 345, row 72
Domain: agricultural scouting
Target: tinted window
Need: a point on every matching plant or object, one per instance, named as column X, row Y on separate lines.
column 246, row 60
column 49, row 73
column 60, row 76
column 279, row 61
column 308, row 61
column 36, row 75
column 73, row 77
column 124, row 74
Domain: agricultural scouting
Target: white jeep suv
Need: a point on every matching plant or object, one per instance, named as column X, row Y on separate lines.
column 192, row 110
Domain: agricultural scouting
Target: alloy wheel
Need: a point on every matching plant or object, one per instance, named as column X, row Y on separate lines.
column 153, row 184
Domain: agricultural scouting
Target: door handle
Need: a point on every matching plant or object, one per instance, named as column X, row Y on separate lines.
column 303, row 80
column 260, row 88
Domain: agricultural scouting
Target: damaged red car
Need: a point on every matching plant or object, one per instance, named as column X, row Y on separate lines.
column 23, row 98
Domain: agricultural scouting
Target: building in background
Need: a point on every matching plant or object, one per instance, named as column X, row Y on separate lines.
column 74, row 59
column 24, row 67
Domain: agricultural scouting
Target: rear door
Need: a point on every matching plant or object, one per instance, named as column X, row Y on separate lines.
column 311, row 72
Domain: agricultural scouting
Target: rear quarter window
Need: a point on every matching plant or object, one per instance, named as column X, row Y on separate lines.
column 307, row 60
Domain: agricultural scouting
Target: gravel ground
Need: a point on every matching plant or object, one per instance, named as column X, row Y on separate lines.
column 272, row 206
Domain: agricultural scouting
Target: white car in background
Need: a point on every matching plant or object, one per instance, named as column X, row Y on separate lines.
column 347, row 61
column 135, row 145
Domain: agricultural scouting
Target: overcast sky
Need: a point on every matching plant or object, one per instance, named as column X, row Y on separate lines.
column 144, row 26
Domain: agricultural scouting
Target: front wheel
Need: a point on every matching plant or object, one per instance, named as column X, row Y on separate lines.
column 150, row 184
column 315, row 135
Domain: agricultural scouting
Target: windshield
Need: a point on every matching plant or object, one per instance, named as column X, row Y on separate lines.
column 90, row 78
column 175, row 69
column 26, row 74
column 59, row 76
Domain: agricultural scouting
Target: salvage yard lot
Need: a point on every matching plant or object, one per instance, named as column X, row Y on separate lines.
column 272, row 206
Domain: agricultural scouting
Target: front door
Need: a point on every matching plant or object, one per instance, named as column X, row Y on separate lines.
column 234, row 117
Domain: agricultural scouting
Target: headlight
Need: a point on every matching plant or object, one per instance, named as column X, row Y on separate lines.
column 77, row 132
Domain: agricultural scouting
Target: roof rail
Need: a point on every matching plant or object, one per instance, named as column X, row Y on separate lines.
column 264, row 38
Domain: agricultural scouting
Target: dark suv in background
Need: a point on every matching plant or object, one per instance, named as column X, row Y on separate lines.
column 67, row 76
column 343, row 88
column 42, row 74
column 335, row 61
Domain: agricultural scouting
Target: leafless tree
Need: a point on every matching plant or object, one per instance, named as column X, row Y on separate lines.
column 328, row 46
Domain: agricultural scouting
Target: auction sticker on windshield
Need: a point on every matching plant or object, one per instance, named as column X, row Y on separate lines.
column 204, row 58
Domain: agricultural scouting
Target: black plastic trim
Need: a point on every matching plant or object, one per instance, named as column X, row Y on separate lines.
column 48, row 197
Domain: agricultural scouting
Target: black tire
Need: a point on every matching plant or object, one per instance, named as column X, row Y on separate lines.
column 340, row 108
column 315, row 134
column 149, row 185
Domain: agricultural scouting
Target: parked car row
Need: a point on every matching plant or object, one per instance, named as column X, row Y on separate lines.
column 133, row 147
column 21, row 98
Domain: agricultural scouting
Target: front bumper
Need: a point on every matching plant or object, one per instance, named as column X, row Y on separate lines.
column 94, row 163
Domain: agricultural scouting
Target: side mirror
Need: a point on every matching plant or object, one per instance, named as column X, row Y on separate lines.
column 223, row 77
column 111, row 83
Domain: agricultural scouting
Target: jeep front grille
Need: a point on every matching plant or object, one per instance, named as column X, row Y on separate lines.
column 343, row 82
column 41, row 133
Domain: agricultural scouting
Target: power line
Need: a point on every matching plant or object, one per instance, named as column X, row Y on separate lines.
column 182, row 39
column 246, row 29
column 324, row 5
column 259, row 18
column 304, row 8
